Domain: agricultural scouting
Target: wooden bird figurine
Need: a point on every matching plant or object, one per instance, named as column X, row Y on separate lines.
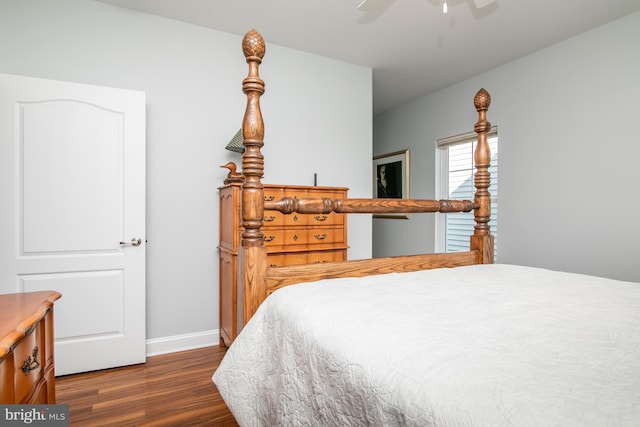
column 232, row 176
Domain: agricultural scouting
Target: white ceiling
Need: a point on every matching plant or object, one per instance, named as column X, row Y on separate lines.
column 412, row 47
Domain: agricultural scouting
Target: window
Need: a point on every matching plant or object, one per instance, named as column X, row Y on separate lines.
column 455, row 181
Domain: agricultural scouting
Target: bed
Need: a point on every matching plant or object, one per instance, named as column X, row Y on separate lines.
column 427, row 340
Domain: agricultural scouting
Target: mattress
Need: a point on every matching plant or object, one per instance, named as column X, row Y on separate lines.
column 484, row 345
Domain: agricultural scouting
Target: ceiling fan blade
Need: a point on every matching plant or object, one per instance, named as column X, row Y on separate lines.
column 481, row 3
column 375, row 6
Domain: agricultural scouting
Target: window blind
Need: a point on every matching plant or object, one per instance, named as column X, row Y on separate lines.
column 457, row 169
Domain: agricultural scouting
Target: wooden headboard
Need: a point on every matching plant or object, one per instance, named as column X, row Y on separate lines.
column 259, row 280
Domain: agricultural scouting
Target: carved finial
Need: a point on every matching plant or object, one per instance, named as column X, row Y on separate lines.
column 482, row 100
column 233, row 176
column 253, row 45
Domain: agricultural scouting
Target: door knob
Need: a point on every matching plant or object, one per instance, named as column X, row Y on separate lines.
column 136, row 241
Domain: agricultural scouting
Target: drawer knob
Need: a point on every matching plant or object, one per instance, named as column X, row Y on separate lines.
column 269, row 238
column 321, row 217
column 29, row 363
column 320, row 236
column 269, row 218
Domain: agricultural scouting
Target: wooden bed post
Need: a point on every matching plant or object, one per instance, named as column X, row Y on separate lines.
column 254, row 252
column 482, row 240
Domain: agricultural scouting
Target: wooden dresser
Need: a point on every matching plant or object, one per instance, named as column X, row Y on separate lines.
column 26, row 348
column 290, row 240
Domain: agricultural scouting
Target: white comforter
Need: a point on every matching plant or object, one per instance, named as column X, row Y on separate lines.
column 487, row 345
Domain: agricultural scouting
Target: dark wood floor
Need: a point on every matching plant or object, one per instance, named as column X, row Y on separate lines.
column 169, row 390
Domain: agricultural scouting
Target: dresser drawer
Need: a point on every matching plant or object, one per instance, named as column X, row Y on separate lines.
column 319, row 236
column 311, row 257
column 276, row 260
column 272, row 194
column 326, row 256
column 272, row 219
column 313, row 236
column 302, row 236
column 289, row 258
column 273, row 237
column 295, row 219
column 326, row 219
column 28, row 363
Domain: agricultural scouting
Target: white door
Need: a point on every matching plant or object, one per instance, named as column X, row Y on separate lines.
column 72, row 187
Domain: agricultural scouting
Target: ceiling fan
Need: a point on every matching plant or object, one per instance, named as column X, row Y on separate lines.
column 375, row 8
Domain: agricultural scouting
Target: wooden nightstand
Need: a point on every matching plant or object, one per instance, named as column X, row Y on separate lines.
column 26, row 348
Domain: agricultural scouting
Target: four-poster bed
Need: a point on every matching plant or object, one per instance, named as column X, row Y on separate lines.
column 439, row 339
column 259, row 280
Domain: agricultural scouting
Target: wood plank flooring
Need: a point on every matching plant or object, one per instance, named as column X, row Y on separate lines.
column 169, row 390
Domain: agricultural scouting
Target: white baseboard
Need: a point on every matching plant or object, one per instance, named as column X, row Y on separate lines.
column 172, row 344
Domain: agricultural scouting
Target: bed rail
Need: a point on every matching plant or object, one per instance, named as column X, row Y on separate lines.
column 283, row 276
column 258, row 280
column 308, row 205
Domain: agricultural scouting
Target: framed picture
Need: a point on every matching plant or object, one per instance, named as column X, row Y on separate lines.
column 391, row 179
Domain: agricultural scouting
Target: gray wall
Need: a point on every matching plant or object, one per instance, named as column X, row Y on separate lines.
column 192, row 77
column 567, row 120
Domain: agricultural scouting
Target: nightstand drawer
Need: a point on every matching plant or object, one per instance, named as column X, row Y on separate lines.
column 28, row 363
column 26, row 348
